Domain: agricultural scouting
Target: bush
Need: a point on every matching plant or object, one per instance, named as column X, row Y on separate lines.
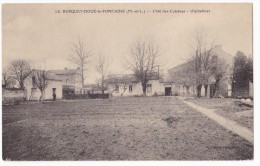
column 85, row 96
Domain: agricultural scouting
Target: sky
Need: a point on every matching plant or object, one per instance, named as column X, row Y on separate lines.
column 37, row 33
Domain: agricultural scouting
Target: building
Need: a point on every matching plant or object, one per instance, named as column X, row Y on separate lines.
column 71, row 81
column 184, row 77
column 33, row 93
column 94, row 89
column 127, row 85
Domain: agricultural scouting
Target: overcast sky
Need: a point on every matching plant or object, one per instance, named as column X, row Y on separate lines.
column 37, row 33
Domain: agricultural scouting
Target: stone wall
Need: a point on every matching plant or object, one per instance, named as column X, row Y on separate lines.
column 13, row 96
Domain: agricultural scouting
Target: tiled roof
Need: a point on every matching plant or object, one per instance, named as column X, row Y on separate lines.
column 121, row 78
column 64, row 71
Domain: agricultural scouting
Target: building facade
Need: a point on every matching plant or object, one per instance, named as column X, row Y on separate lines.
column 70, row 79
column 127, row 85
column 184, row 77
column 33, row 92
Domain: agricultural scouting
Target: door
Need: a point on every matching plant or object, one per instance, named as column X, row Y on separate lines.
column 54, row 93
column 212, row 90
column 168, row 91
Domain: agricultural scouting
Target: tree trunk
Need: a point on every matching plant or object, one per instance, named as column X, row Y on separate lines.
column 102, row 85
column 216, row 94
column 123, row 91
column 82, row 80
column 144, row 89
column 199, row 90
column 42, row 97
column 21, row 85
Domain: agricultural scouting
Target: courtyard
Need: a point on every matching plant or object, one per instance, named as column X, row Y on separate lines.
column 127, row 128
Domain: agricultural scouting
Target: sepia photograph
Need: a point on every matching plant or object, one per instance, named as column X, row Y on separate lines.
column 127, row 81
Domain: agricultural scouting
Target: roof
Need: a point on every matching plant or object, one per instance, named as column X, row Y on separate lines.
column 121, row 78
column 217, row 50
column 181, row 66
column 50, row 77
column 228, row 58
column 64, row 71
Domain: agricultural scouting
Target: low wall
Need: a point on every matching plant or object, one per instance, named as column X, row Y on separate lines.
column 13, row 96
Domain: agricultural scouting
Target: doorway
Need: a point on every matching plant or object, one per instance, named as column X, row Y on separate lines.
column 54, row 93
column 212, row 90
column 168, row 91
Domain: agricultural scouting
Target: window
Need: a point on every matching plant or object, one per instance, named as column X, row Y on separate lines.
column 130, row 88
column 116, row 88
column 149, row 88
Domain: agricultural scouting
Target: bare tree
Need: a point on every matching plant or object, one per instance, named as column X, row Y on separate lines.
column 19, row 71
column 102, row 69
column 207, row 63
column 143, row 62
column 40, row 79
column 80, row 58
column 7, row 80
column 203, row 59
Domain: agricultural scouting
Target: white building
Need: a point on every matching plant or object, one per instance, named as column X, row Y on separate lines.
column 33, row 93
column 127, row 85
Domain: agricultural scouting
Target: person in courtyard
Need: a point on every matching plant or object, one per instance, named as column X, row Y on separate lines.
column 54, row 96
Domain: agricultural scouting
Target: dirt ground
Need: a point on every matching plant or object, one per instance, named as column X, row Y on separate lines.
column 134, row 128
column 232, row 109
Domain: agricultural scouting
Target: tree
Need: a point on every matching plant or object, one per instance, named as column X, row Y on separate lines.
column 40, row 79
column 242, row 72
column 19, row 71
column 240, row 67
column 7, row 80
column 80, row 58
column 102, row 69
column 218, row 70
column 143, row 62
column 249, row 69
column 204, row 60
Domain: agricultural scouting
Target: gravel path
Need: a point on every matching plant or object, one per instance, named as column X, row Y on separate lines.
column 228, row 124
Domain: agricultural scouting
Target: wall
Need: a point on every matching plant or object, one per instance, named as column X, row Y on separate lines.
column 136, row 89
column 13, row 93
column 10, row 96
column 183, row 90
column 48, row 91
column 224, row 88
column 157, row 87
